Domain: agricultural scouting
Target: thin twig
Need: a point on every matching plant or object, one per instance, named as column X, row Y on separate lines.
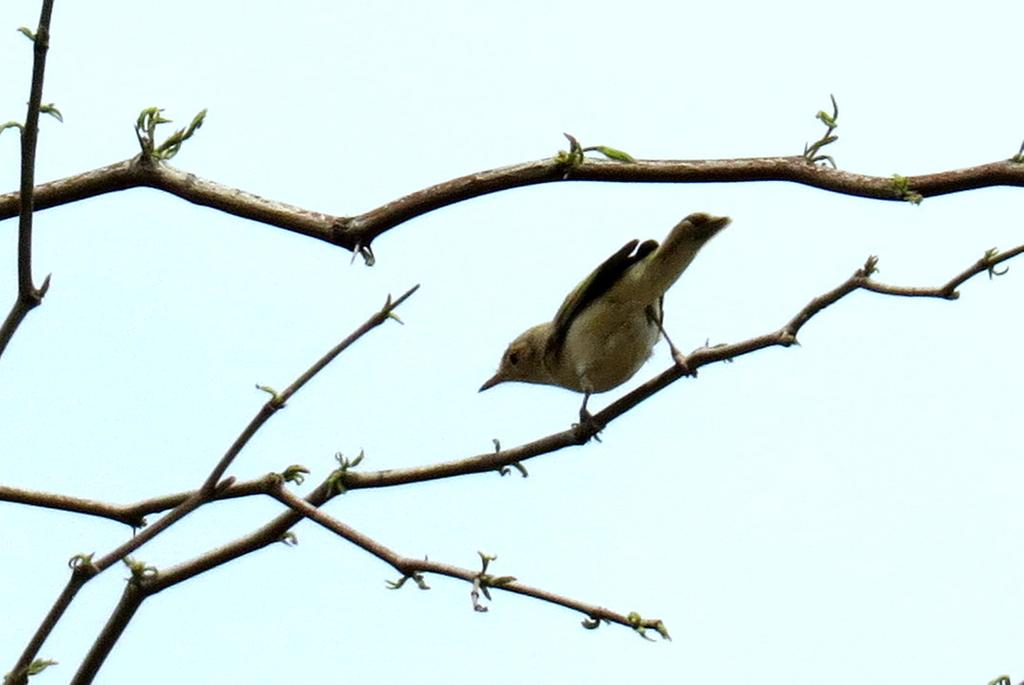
column 410, row 567
column 131, row 599
column 133, row 515
column 210, row 490
column 80, row 575
column 29, row 297
column 277, row 531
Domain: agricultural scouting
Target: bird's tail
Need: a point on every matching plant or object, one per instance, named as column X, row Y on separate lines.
column 663, row 266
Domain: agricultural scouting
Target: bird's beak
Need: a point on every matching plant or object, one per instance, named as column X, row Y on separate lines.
column 492, row 381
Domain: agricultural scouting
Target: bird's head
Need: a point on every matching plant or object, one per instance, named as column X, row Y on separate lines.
column 524, row 359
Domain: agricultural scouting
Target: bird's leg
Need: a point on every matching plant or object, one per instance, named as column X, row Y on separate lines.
column 587, row 420
column 678, row 357
column 584, row 414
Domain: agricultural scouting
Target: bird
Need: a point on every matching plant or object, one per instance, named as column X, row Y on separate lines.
column 608, row 325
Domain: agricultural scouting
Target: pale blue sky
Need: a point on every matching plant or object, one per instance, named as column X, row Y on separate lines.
column 845, row 511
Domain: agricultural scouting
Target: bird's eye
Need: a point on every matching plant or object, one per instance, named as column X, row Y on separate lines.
column 513, row 358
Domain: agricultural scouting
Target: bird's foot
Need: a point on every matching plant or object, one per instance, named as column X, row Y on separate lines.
column 589, row 426
column 683, row 363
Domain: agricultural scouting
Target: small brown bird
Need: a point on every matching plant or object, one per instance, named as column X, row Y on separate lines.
column 608, row 325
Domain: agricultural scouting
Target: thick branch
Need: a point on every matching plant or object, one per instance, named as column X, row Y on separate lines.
column 793, row 169
column 141, row 172
column 353, row 232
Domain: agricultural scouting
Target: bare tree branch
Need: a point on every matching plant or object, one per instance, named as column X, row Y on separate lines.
column 131, row 599
column 703, row 356
column 359, row 231
column 133, row 515
column 411, row 568
column 29, row 297
column 79, row 576
column 84, row 567
column 277, row 530
column 207, row 492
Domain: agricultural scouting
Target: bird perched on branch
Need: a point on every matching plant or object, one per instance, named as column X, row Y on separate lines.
column 608, row 325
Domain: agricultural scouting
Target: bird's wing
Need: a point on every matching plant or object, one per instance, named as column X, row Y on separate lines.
column 594, row 286
column 651, row 278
